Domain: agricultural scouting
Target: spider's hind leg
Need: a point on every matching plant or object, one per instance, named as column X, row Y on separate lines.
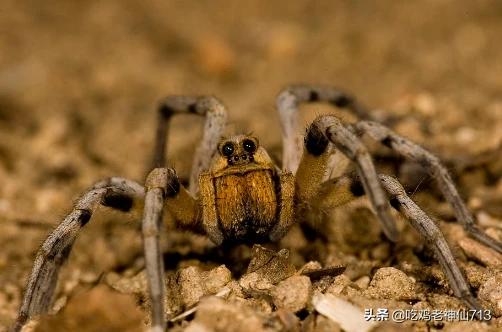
column 433, row 236
column 338, row 192
column 435, row 169
column 216, row 117
column 114, row 192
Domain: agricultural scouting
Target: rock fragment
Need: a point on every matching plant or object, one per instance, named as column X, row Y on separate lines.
column 253, row 284
column 339, row 284
column 183, row 289
column 481, row 253
column 191, row 286
column 362, row 282
column 293, row 293
column 195, row 283
column 216, row 279
column 391, row 283
column 309, row 267
column 476, row 274
column 491, row 291
column 215, row 314
column 274, row 266
column 137, row 285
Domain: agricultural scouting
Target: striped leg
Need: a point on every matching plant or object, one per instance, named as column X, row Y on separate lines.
column 432, row 234
column 288, row 102
column 156, row 189
column 216, row 118
column 338, row 192
column 436, row 170
column 163, row 189
column 114, row 192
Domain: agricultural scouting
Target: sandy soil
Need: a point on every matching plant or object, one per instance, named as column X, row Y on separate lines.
column 79, row 83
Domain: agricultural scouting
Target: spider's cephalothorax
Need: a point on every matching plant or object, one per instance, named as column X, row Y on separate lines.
column 242, row 196
column 237, row 194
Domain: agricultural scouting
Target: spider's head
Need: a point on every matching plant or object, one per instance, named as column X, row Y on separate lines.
column 240, row 152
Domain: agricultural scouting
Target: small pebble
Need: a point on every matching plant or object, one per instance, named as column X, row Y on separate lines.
column 293, row 293
column 481, row 253
column 274, row 266
column 215, row 314
column 391, row 283
column 491, row 291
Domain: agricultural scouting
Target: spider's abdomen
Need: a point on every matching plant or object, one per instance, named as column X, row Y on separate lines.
column 246, row 205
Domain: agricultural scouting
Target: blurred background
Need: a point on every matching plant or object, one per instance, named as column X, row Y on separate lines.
column 80, row 81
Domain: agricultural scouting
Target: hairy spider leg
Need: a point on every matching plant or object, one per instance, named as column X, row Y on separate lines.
column 288, row 103
column 115, row 192
column 162, row 189
column 436, row 170
column 433, row 237
column 216, row 119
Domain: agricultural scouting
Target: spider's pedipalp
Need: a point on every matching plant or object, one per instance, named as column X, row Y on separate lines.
column 288, row 102
column 56, row 248
column 216, row 119
column 433, row 236
column 435, row 169
column 350, row 145
column 313, row 165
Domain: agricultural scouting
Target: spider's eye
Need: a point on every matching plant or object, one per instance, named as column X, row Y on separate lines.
column 227, row 149
column 249, row 146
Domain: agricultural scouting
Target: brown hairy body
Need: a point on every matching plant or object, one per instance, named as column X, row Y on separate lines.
column 246, row 204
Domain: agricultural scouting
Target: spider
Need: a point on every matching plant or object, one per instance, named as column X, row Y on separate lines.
column 237, row 194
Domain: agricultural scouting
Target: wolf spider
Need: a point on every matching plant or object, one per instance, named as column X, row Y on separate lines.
column 237, row 194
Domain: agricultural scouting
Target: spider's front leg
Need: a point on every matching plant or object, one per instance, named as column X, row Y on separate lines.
column 216, row 118
column 163, row 188
column 117, row 193
column 288, row 104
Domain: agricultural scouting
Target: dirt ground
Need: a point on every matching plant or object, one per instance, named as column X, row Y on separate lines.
column 79, row 84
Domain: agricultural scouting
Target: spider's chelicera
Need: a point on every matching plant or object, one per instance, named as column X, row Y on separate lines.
column 237, row 194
